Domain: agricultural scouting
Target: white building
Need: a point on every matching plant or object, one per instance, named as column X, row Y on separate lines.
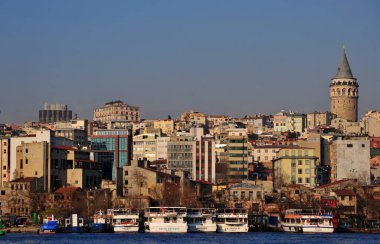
column 350, row 159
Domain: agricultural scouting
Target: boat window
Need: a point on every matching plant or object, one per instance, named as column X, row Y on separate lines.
column 292, row 220
column 298, row 221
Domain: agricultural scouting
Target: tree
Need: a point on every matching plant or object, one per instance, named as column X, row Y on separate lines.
column 139, row 180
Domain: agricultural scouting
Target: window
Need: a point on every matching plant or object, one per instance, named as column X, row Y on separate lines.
column 350, row 198
column 349, row 145
column 126, row 182
column 4, row 167
column 307, row 171
column 242, row 195
column 36, row 173
column 126, row 172
column 307, row 180
column 342, row 198
column 299, row 180
column 21, row 165
column 26, row 150
column 251, row 195
column 299, row 162
column 299, row 171
column 307, row 162
column 363, row 145
column 3, row 192
column 26, row 161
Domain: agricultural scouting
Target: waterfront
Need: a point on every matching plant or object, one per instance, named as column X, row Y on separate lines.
column 251, row 237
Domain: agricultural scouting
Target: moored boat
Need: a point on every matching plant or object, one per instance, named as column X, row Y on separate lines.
column 50, row 226
column 101, row 223
column 165, row 220
column 124, row 219
column 308, row 221
column 201, row 219
column 232, row 220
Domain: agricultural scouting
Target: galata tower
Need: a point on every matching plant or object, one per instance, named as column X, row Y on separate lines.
column 344, row 90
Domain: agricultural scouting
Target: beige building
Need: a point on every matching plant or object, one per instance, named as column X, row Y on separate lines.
column 344, row 92
column 316, row 119
column 117, row 110
column 57, row 166
column 4, row 160
column 145, row 146
column 371, row 123
column 347, row 127
column 140, row 183
column 166, row 126
column 162, row 147
column 17, row 197
column 181, row 153
column 245, row 195
column 294, row 165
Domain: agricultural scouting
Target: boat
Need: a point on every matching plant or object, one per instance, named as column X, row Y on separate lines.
column 124, row 219
column 232, row 220
column 50, row 226
column 201, row 219
column 308, row 221
column 165, row 220
column 101, row 223
column 74, row 225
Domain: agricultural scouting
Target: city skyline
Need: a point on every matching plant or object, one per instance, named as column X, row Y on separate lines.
column 167, row 57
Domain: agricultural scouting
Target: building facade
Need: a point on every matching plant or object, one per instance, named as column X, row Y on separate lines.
column 113, row 149
column 294, row 165
column 4, row 160
column 54, row 113
column 145, row 146
column 117, row 110
column 350, row 159
column 237, row 150
column 344, row 92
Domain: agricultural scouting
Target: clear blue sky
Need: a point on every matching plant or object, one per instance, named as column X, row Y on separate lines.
column 218, row 57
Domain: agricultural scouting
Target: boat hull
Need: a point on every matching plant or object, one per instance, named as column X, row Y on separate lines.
column 308, row 229
column 201, row 227
column 225, row 228
column 165, row 227
column 126, row 228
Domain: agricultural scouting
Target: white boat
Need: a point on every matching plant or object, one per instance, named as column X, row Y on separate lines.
column 308, row 221
column 232, row 220
column 201, row 219
column 124, row 219
column 165, row 220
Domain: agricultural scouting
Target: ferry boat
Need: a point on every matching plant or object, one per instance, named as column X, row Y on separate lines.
column 308, row 221
column 165, row 220
column 232, row 220
column 50, row 226
column 101, row 223
column 124, row 219
column 201, row 219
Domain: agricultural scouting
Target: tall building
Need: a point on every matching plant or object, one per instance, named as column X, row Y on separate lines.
column 55, row 113
column 112, row 148
column 237, row 149
column 350, row 158
column 344, row 90
column 4, row 160
column 117, row 111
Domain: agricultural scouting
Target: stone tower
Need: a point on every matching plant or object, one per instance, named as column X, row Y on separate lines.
column 344, row 91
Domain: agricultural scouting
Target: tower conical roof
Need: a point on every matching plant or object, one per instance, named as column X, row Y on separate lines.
column 344, row 70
